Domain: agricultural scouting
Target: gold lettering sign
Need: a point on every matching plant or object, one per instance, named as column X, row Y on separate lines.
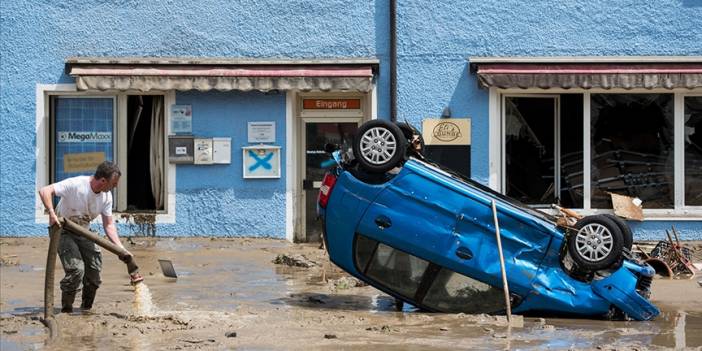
column 83, row 162
column 446, row 131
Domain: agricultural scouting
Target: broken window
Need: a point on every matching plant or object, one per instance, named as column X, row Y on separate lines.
column 693, row 150
column 632, row 148
column 529, row 133
column 85, row 131
column 145, row 159
column 544, row 149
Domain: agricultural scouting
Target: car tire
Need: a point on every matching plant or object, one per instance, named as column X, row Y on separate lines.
column 379, row 146
column 596, row 243
column 627, row 234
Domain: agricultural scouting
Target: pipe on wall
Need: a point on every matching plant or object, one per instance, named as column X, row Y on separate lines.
column 393, row 60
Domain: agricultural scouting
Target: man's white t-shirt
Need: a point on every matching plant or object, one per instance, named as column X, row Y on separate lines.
column 78, row 201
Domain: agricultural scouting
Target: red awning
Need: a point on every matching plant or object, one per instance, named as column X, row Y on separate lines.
column 620, row 73
column 189, row 74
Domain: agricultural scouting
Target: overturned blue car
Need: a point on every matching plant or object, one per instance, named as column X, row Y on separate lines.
column 426, row 236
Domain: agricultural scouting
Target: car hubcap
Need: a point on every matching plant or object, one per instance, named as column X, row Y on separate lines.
column 594, row 242
column 378, row 145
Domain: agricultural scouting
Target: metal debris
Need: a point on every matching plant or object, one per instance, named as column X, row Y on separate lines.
column 671, row 257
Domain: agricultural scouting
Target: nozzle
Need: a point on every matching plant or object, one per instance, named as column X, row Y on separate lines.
column 135, row 278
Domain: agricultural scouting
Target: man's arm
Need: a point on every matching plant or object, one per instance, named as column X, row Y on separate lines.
column 111, row 230
column 46, row 193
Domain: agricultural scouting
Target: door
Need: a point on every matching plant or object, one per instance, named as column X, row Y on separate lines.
column 318, row 133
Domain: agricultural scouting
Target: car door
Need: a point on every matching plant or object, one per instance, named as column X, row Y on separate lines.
column 525, row 240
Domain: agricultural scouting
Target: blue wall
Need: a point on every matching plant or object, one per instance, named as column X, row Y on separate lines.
column 434, row 39
column 216, row 199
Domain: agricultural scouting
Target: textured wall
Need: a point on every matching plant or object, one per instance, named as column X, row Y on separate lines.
column 216, row 199
column 434, row 40
column 436, row 37
column 37, row 36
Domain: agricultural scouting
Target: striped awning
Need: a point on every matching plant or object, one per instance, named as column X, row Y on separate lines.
column 145, row 74
column 589, row 73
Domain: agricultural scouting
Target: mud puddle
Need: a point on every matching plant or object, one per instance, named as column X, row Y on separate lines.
column 230, row 295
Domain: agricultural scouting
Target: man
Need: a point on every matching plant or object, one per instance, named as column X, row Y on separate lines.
column 82, row 199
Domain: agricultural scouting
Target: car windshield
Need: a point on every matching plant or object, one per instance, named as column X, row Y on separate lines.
column 459, row 177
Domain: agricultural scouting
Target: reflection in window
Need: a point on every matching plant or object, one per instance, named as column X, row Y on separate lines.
column 397, row 270
column 364, row 250
column 693, row 151
column 632, row 148
column 453, row 292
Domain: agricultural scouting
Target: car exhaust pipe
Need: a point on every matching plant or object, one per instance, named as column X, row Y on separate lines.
column 74, row 228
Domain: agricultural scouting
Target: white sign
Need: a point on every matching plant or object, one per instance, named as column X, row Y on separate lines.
column 261, row 132
column 181, row 119
column 181, row 150
column 446, row 131
column 261, row 161
column 84, row 137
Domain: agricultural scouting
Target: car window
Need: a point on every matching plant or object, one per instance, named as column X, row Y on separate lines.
column 396, row 270
column 453, row 292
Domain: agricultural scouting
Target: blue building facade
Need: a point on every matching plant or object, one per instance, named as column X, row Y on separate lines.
column 309, row 71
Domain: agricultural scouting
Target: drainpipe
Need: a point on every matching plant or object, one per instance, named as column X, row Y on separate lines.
column 393, row 60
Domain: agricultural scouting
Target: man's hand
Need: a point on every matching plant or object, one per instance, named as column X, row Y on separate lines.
column 126, row 257
column 53, row 219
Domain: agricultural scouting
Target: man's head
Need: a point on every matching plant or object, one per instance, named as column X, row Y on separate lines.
column 106, row 177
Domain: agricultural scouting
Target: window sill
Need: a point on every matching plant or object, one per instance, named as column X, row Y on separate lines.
column 690, row 214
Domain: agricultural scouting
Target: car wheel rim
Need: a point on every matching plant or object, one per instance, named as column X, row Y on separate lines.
column 594, row 242
column 378, row 145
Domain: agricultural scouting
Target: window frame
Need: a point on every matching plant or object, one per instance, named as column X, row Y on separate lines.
column 497, row 170
column 45, row 152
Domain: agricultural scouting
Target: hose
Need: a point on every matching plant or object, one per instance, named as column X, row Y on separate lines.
column 49, row 321
column 109, row 246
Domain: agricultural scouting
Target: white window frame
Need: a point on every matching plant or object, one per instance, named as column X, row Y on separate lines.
column 44, row 92
column 497, row 171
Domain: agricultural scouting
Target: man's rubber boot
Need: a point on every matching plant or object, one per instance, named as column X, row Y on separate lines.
column 88, row 298
column 67, row 299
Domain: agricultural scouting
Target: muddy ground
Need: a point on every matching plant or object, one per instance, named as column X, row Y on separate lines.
column 229, row 294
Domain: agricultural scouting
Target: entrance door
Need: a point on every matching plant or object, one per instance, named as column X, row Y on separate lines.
column 317, row 161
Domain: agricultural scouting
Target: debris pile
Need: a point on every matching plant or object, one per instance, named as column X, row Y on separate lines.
column 294, row 261
column 671, row 258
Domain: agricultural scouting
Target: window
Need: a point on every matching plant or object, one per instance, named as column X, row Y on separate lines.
column 633, row 143
column 544, row 150
column 86, row 130
column 632, row 148
column 426, row 283
column 453, row 292
column 693, row 150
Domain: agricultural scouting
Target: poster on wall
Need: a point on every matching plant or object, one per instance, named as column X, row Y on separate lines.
column 181, row 119
column 261, row 132
column 261, row 161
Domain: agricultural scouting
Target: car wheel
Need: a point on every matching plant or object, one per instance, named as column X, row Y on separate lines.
column 627, row 235
column 596, row 244
column 379, row 146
